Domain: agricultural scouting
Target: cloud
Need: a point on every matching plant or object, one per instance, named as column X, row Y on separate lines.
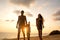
column 3, row 1
column 57, row 13
column 22, row 2
column 17, row 12
column 26, row 13
column 9, row 20
column 57, row 19
column 57, row 16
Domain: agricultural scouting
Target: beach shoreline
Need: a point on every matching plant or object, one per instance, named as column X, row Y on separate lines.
column 49, row 37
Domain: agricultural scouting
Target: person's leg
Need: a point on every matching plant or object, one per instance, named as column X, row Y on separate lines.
column 23, row 33
column 28, row 32
column 40, row 34
column 28, row 36
column 18, row 36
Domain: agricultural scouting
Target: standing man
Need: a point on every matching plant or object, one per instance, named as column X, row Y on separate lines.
column 21, row 24
column 39, row 24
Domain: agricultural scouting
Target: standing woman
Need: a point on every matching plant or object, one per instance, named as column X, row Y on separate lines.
column 39, row 24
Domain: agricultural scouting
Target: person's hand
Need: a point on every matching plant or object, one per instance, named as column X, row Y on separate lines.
column 43, row 26
column 17, row 26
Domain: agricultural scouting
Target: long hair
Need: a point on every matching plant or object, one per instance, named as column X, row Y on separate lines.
column 40, row 16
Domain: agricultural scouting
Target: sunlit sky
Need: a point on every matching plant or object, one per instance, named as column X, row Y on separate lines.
column 47, row 8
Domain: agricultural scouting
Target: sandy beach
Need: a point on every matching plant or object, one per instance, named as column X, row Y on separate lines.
column 52, row 37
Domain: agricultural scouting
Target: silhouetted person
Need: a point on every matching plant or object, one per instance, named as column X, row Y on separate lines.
column 21, row 24
column 28, row 30
column 39, row 24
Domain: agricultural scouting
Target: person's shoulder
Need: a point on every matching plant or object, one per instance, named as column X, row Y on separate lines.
column 19, row 16
column 36, row 18
column 24, row 16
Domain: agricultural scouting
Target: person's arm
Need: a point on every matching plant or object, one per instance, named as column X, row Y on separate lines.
column 17, row 23
column 36, row 22
column 43, row 23
column 26, row 20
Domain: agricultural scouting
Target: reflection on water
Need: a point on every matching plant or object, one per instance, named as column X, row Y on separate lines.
column 7, row 35
column 4, row 35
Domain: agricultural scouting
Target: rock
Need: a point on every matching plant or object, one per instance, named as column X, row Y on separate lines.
column 55, row 32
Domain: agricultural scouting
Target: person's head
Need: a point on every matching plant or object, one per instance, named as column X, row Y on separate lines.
column 39, row 15
column 22, row 12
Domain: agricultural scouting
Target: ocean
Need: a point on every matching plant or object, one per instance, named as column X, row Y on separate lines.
column 6, row 35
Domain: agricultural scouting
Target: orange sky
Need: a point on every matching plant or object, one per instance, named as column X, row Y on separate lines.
column 8, row 17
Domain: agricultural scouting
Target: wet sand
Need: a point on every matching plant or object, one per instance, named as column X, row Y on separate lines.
column 52, row 37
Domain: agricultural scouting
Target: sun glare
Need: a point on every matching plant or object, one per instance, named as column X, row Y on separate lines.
column 25, row 30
